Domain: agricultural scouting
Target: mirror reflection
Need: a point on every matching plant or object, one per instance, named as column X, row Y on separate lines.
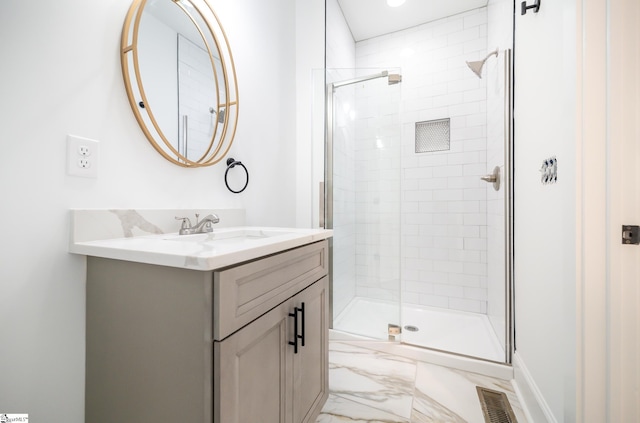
column 180, row 79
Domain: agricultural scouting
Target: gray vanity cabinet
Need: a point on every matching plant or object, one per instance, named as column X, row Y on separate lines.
column 173, row 344
column 260, row 377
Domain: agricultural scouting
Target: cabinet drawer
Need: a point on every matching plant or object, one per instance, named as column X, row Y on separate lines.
column 244, row 293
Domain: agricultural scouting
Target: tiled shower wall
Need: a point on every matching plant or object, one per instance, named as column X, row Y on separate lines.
column 444, row 202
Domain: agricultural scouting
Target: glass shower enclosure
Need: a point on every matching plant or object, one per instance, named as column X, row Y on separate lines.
column 421, row 214
column 363, row 193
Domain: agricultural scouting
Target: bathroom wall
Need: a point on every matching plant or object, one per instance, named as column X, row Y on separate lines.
column 444, row 202
column 545, row 215
column 62, row 76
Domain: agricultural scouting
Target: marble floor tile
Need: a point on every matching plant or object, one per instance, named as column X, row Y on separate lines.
column 372, row 378
column 339, row 409
column 441, row 388
column 371, row 386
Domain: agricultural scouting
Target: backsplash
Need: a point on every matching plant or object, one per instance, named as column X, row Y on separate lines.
column 92, row 225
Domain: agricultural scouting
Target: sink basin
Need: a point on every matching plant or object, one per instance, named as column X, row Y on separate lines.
column 226, row 237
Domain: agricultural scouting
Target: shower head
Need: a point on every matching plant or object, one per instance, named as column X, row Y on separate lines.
column 476, row 67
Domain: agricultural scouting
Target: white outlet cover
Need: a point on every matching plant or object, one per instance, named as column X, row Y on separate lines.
column 83, row 156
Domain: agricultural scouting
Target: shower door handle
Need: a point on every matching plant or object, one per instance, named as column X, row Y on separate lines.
column 493, row 178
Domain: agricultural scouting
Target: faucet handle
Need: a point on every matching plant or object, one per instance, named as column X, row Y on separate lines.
column 186, row 223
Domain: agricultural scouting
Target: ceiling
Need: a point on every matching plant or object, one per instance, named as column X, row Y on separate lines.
column 372, row 18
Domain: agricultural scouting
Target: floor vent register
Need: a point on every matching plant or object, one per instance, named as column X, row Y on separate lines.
column 495, row 406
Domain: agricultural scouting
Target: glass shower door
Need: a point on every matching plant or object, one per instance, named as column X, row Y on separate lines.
column 362, row 184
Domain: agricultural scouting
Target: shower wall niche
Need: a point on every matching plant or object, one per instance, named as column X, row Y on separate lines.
column 443, row 201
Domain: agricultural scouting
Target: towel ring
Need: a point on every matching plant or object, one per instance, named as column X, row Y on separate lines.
column 231, row 163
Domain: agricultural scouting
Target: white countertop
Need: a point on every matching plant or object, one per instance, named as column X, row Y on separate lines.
column 221, row 248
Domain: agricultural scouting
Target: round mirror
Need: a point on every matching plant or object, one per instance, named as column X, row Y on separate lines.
column 180, row 79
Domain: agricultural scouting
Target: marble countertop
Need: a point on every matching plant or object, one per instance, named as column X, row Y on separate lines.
column 221, row 248
column 150, row 236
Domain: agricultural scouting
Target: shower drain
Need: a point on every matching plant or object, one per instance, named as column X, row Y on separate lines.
column 411, row 328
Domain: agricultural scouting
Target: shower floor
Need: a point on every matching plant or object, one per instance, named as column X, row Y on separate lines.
column 441, row 329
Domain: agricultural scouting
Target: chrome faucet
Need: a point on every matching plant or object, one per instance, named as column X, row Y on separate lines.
column 202, row 226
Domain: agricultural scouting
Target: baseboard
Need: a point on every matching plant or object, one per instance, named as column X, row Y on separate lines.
column 533, row 403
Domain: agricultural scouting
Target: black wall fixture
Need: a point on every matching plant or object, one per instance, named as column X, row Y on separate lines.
column 231, row 163
column 535, row 6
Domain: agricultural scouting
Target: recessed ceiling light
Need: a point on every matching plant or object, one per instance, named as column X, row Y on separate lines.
column 395, row 3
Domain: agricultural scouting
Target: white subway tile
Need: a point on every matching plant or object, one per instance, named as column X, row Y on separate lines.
column 448, row 195
column 475, row 219
column 448, row 290
column 465, row 280
column 479, row 269
column 479, row 244
column 479, row 294
column 434, row 254
column 433, row 183
column 462, row 304
column 449, row 266
column 434, row 301
column 447, row 171
column 475, row 20
column 460, row 37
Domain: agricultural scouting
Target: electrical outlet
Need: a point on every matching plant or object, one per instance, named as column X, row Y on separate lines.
column 82, row 156
column 84, row 150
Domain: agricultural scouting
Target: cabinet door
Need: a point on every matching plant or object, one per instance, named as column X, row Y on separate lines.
column 310, row 364
column 250, row 371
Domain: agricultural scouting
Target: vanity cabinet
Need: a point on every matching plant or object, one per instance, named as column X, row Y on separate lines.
column 262, row 377
column 173, row 344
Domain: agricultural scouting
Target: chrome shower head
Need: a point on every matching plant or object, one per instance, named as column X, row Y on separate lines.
column 476, row 67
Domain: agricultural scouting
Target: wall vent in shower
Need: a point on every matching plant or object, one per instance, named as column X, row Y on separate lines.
column 433, row 135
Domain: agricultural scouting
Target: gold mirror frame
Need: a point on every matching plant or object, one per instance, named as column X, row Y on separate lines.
column 222, row 138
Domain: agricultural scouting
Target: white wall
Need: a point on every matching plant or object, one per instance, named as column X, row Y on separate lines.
column 61, row 75
column 310, row 59
column 341, row 48
column 545, row 215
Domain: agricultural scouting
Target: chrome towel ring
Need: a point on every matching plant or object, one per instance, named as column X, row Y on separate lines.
column 231, row 163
